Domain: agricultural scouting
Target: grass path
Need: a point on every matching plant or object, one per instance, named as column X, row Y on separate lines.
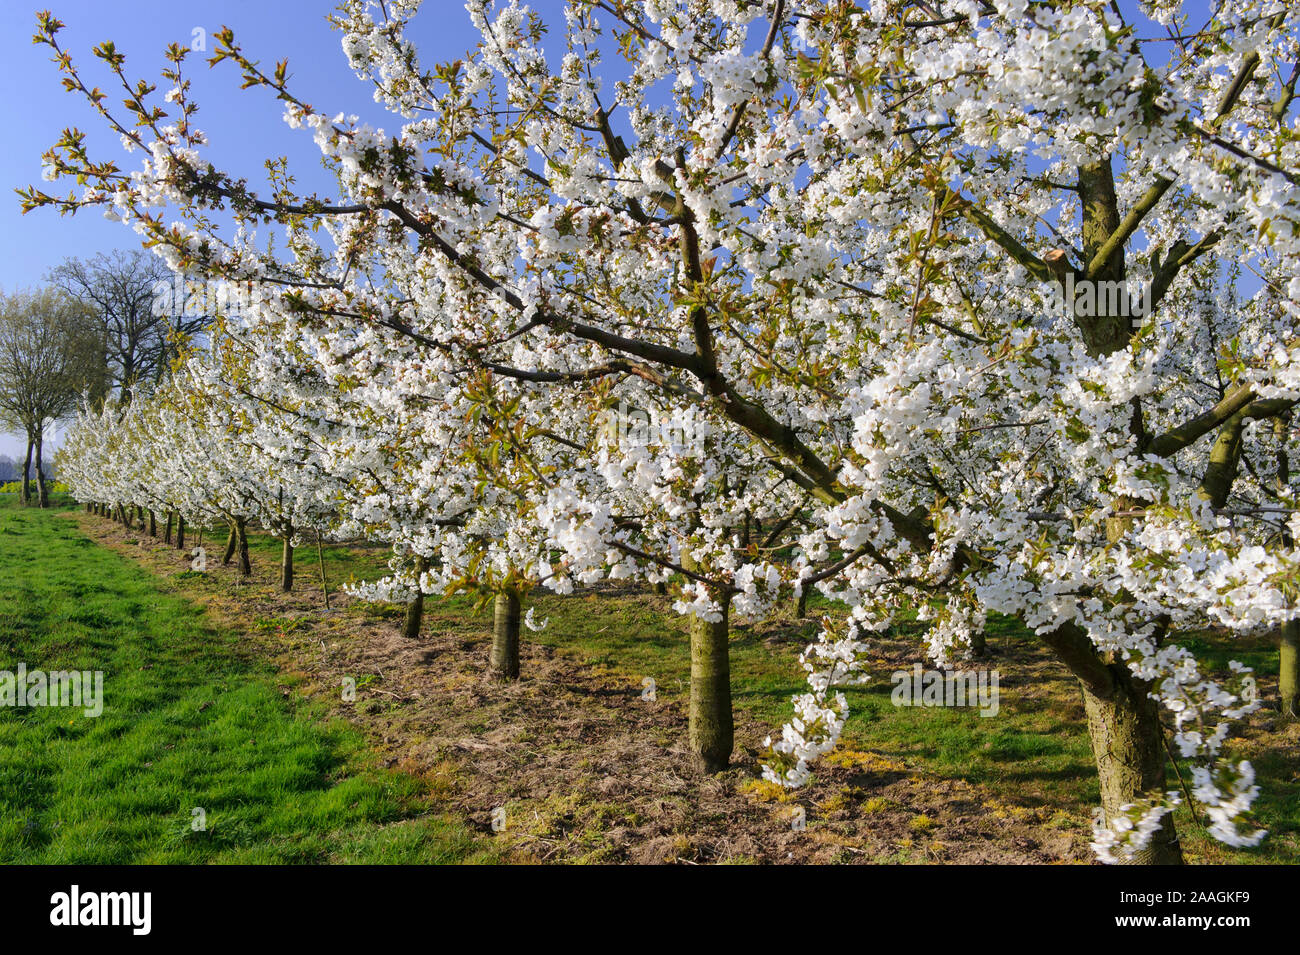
column 189, row 722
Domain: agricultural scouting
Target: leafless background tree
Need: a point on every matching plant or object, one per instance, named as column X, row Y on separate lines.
column 140, row 324
column 50, row 357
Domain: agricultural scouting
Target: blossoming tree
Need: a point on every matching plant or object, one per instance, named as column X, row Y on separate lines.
column 949, row 283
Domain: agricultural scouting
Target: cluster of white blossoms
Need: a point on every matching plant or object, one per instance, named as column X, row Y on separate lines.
column 819, row 715
column 823, row 240
column 1118, row 838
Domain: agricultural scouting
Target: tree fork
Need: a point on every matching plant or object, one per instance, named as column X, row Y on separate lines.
column 1123, row 719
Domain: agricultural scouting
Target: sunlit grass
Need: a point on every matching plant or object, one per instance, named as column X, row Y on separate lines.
column 191, row 721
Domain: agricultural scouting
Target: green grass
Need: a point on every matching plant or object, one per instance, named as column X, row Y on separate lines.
column 191, row 720
column 1033, row 756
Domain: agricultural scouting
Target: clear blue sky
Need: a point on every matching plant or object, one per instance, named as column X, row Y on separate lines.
column 244, row 127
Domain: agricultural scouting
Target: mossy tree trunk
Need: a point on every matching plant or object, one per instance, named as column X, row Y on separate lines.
column 711, row 730
column 286, row 562
column 1125, row 732
column 503, row 662
column 415, row 609
column 1123, row 720
column 1288, row 682
column 232, row 539
column 1128, row 747
column 414, row 616
column 1288, row 651
column 245, row 565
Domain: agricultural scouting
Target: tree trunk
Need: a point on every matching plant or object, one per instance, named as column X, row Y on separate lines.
column 27, row 472
column 153, row 524
column 320, row 559
column 978, row 645
column 180, row 531
column 1128, row 746
column 1123, row 720
column 414, row 617
column 232, row 538
column 1288, row 651
column 167, row 533
column 415, row 609
column 42, row 489
column 286, row 564
column 503, row 664
column 1288, row 681
column 245, row 566
column 711, row 729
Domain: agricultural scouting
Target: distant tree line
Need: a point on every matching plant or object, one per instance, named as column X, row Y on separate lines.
column 11, row 469
column 105, row 326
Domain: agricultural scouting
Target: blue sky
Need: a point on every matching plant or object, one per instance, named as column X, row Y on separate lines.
column 244, row 127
